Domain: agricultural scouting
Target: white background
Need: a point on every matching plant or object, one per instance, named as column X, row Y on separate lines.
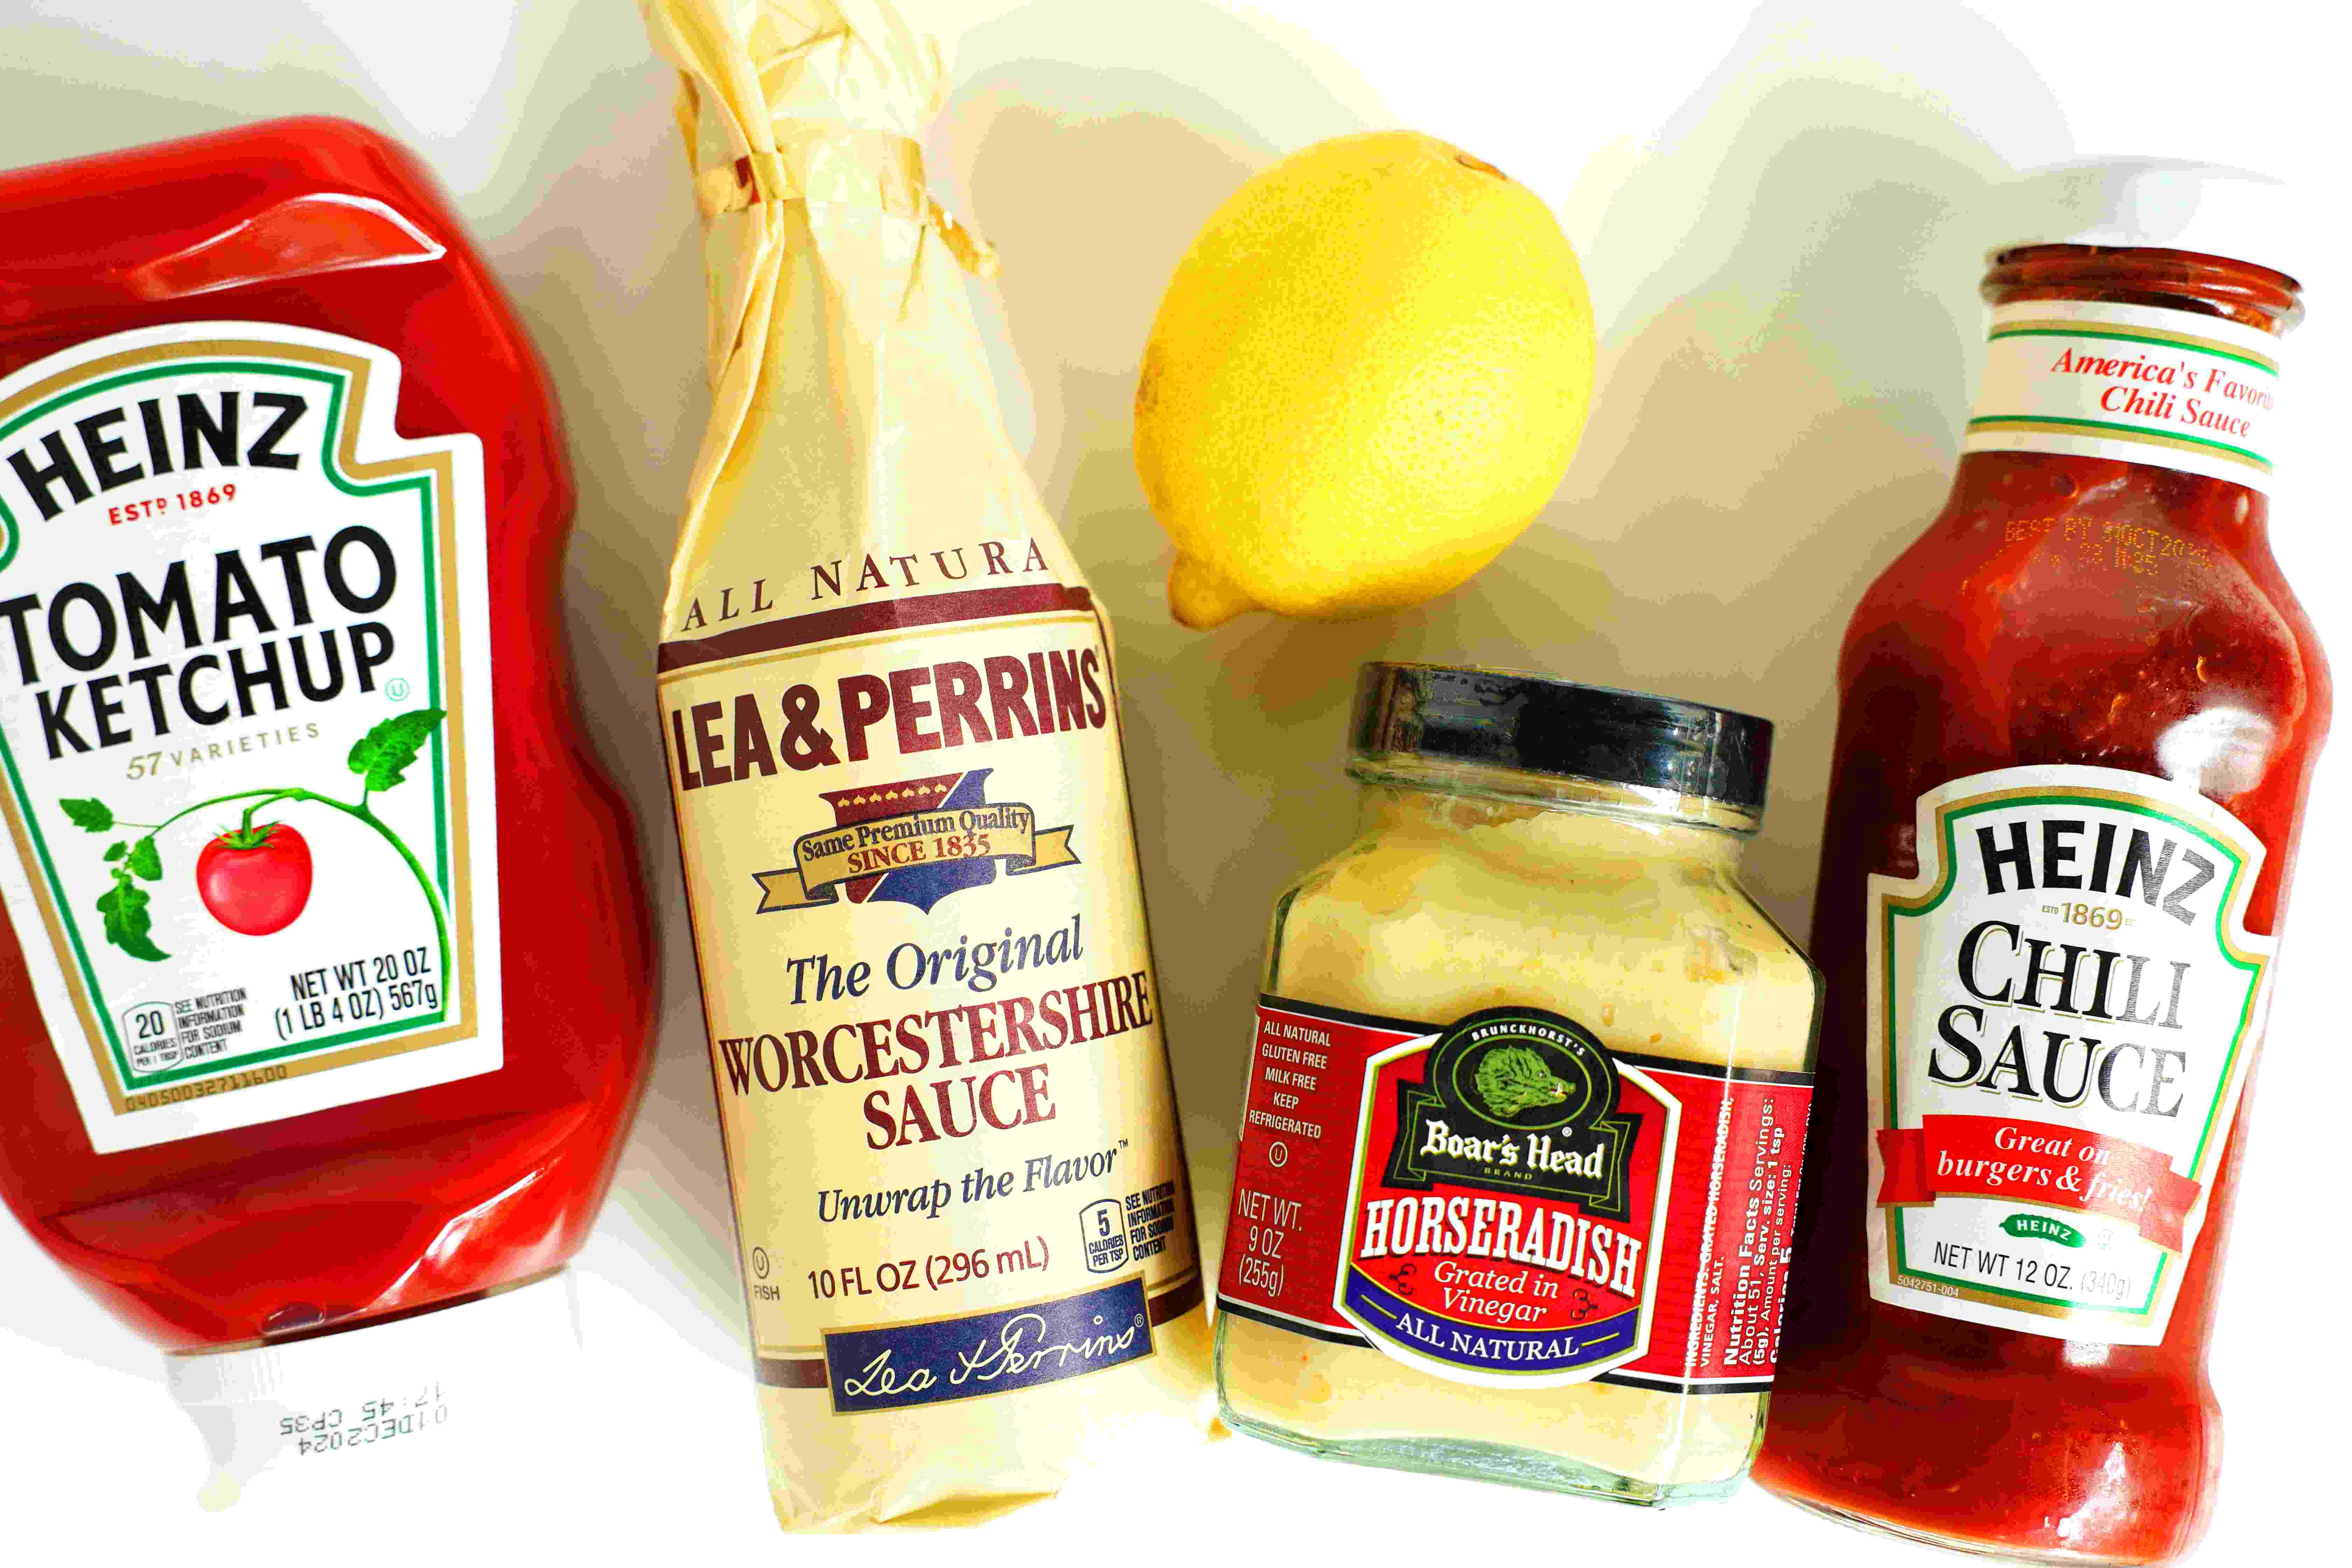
column 1781, row 209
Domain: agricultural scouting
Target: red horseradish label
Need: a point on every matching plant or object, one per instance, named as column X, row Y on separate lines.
column 1503, row 1200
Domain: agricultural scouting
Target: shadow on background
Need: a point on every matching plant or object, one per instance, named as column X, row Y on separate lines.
column 109, row 94
column 1784, row 284
column 1783, row 277
column 598, row 240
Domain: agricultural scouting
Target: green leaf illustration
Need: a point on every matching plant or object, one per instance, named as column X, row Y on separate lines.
column 144, row 862
column 116, row 850
column 383, row 754
column 126, row 920
column 91, row 815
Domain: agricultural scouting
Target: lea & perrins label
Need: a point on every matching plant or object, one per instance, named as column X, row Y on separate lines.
column 934, row 1028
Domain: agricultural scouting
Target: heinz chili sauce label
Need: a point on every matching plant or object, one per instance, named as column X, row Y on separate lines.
column 244, row 729
column 934, row 1027
column 1503, row 1200
column 2137, row 383
column 2063, row 1008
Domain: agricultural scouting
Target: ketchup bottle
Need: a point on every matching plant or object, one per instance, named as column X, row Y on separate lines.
column 2078, row 724
column 325, row 990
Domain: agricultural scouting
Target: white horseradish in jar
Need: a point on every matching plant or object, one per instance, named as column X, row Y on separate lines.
column 1526, row 1102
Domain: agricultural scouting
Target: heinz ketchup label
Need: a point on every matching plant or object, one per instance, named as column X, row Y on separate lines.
column 246, row 729
column 1503, row 1200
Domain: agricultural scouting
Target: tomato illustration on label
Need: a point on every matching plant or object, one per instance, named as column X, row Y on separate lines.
column 187, row 697
column 255, row 881
column 255, row 878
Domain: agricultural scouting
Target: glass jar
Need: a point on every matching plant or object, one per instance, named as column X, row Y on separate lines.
column 1998, row 1332
column 1526, row 1102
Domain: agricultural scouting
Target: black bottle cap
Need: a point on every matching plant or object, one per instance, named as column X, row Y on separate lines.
column 1509, row 720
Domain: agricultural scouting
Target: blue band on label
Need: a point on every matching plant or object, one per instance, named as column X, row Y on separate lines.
column 988, row 1352
column 1488, row 1349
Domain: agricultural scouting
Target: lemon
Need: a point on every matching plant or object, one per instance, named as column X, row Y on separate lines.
column 1369, row 372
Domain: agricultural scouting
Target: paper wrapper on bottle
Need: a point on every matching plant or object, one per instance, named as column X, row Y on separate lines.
column 894, row 744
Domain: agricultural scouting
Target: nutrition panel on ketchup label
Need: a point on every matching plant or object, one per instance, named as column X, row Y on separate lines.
column 1505, row 1201
column 934, row 1027
column 244, row 729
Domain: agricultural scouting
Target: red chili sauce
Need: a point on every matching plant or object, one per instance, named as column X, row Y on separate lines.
column 1996, row 640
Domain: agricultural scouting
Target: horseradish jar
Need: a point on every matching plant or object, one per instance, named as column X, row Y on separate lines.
column 1526, row 1102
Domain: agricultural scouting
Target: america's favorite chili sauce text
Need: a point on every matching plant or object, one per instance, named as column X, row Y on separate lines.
column 313, row 245
column 2095, row 655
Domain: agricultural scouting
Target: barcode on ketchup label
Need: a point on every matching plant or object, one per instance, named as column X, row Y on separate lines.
column 1503, row 1200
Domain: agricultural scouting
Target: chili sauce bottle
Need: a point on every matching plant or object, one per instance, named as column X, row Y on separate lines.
column 2077, row 727
column 890, row 705
column 326, row 988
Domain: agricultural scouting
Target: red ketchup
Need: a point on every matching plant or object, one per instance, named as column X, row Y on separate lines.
column 2079, row 717
column 327, row 979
